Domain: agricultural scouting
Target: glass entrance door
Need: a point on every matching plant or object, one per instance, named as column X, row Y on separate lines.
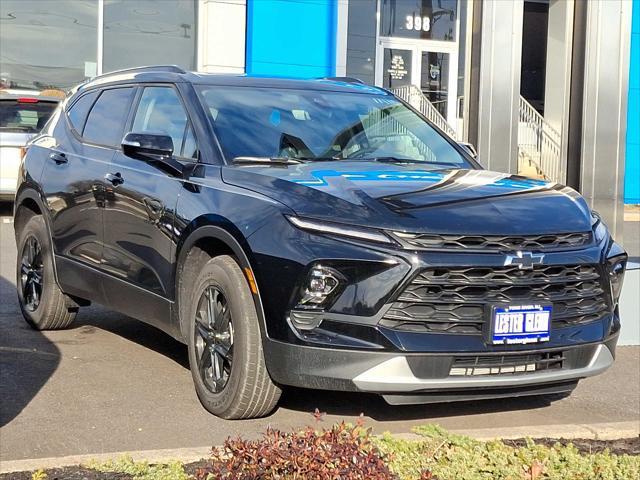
column 434, row 79
column 397, row 67
column 430, row 66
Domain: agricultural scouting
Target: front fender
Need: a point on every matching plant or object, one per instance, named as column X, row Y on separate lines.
column 230, row 236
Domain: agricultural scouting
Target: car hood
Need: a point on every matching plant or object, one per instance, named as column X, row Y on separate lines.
column 408, row 198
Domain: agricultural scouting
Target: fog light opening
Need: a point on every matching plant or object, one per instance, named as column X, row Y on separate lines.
column 321, row 283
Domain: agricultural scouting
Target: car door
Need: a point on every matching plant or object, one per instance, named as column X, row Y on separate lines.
column 75, row 188
column 138, row 246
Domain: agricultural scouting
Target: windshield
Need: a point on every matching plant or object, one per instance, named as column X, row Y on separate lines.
column 323, row 125
column 24, row 115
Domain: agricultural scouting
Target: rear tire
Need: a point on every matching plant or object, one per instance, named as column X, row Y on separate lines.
column 42, row 303
column 224, row 340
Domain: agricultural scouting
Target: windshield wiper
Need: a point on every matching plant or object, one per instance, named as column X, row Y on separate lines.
column 319, row 159
column 266, row 161
column 386, row 160
column 407, row 160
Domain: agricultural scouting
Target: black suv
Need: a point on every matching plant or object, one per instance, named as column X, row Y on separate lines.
column 314, row 233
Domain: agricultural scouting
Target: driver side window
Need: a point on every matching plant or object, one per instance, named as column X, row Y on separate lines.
column 161, row 111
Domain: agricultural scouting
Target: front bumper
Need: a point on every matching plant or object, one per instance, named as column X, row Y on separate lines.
column 422, row 378
column 353, row 346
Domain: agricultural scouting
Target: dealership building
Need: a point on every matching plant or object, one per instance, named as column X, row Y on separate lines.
column 542, row 87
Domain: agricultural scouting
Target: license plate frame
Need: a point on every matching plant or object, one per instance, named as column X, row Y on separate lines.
column 523, row 331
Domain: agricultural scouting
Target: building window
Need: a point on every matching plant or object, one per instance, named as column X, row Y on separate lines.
column 50, row 44
column 147, row 32
column 419, row 19
column 361, row 40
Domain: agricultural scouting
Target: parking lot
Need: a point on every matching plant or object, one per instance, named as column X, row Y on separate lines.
column 110, row 383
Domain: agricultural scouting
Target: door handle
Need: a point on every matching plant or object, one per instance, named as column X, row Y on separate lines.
column 154, row 206
column 115, row 178
column 58, row 157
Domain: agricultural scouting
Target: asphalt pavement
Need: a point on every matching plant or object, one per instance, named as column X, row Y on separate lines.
column 110, row 383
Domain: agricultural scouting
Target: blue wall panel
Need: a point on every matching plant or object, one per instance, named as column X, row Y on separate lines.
column 291, row 38
column 632, row 167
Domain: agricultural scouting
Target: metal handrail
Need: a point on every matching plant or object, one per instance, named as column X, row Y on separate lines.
column 539, row 143
column 414, row 97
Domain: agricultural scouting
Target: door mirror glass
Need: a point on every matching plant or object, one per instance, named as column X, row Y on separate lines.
column 144, row 144
column 471, row 150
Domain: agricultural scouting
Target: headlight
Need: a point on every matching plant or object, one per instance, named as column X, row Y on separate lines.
column 360, row 233
column 600, row 230
column 616, row 267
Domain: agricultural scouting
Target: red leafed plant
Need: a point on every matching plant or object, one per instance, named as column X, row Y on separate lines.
column 342, row 452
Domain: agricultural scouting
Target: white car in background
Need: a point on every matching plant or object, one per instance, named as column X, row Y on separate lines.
column 23, row 113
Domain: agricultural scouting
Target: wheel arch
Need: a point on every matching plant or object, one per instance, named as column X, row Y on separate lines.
column 27, row 202
column 215, row 237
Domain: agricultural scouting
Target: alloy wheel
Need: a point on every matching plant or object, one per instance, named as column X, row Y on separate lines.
column 213, row 339
column 31, row 272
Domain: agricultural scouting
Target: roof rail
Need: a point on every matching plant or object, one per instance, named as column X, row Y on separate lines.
column 148, row 68
column 344, row 79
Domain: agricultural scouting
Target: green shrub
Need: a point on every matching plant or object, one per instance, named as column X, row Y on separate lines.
column 142, row 470
column 455, row 457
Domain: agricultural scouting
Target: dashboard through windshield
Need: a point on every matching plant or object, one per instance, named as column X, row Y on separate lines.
column 312, row 125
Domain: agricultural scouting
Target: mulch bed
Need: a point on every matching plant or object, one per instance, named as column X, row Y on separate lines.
column 82, row 473
column 69, row 473
column 628, row 446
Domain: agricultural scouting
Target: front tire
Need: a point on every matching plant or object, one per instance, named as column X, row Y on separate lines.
column 225, row 345
column 42, row 303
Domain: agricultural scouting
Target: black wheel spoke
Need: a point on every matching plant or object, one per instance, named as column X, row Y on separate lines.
column 223, row 317
column 37, row 278
column 217, row 361
column 222, row 350
column 205, row 363
column 31, row 254
column 31, row 272
column 214, row 338
column 204, row 332
column 26, row 293
column 212, row 298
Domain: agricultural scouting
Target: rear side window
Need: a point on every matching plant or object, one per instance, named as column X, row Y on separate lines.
column 105, row 123
column 25, row 115
column 161, row 111
column 78, row 111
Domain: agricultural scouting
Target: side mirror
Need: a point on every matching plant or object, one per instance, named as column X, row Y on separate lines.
column 155, row 149
column 471, row 150
column 145, row 144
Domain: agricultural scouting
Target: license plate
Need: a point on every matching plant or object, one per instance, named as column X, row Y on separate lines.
column 520, row 324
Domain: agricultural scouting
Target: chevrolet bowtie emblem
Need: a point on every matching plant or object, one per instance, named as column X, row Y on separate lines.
column 524, row 260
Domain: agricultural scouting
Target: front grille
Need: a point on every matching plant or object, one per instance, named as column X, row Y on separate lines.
column 507, row 364
column 560, row 241
column 455, row 299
